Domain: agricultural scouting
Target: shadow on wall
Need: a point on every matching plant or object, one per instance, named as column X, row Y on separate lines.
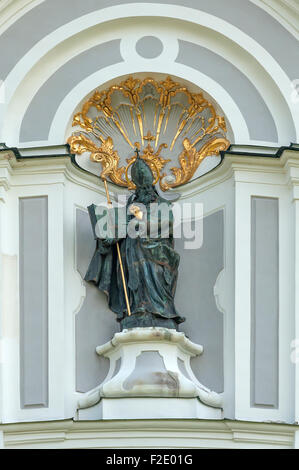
column 195, row 300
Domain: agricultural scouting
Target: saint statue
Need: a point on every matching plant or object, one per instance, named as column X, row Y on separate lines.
column 149, row 261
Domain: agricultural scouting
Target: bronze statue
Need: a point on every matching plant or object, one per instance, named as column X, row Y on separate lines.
column 149, row 265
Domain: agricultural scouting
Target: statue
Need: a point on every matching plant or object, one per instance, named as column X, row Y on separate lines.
column 139, row 275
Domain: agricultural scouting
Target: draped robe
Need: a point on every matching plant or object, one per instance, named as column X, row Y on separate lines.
column 150, row 268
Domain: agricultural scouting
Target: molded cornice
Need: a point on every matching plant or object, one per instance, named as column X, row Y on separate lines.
column 242, row 163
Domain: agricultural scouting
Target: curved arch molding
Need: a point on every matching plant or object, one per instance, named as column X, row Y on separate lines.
column 250, row 19
column 254, row 79
column 60, row 83
column 257, row 116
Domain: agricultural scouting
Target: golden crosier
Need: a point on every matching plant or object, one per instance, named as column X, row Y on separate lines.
column 110, row 116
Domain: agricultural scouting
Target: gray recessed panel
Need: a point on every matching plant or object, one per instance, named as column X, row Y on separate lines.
column 33, row 279
column 264, row 302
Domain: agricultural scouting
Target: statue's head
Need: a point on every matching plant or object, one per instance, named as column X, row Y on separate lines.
column 141, row 174
column 143, row 178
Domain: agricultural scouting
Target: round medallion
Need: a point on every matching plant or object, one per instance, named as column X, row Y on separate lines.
column 149, row 47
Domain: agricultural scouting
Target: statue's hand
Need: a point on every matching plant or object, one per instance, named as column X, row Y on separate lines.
column 136, row 211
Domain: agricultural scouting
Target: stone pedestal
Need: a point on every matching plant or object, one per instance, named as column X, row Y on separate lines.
column 150, row 377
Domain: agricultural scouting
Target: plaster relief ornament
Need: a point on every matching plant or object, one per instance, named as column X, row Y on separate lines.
column 176, row 130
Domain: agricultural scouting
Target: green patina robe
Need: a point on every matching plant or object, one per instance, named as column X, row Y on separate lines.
column 150, row 268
